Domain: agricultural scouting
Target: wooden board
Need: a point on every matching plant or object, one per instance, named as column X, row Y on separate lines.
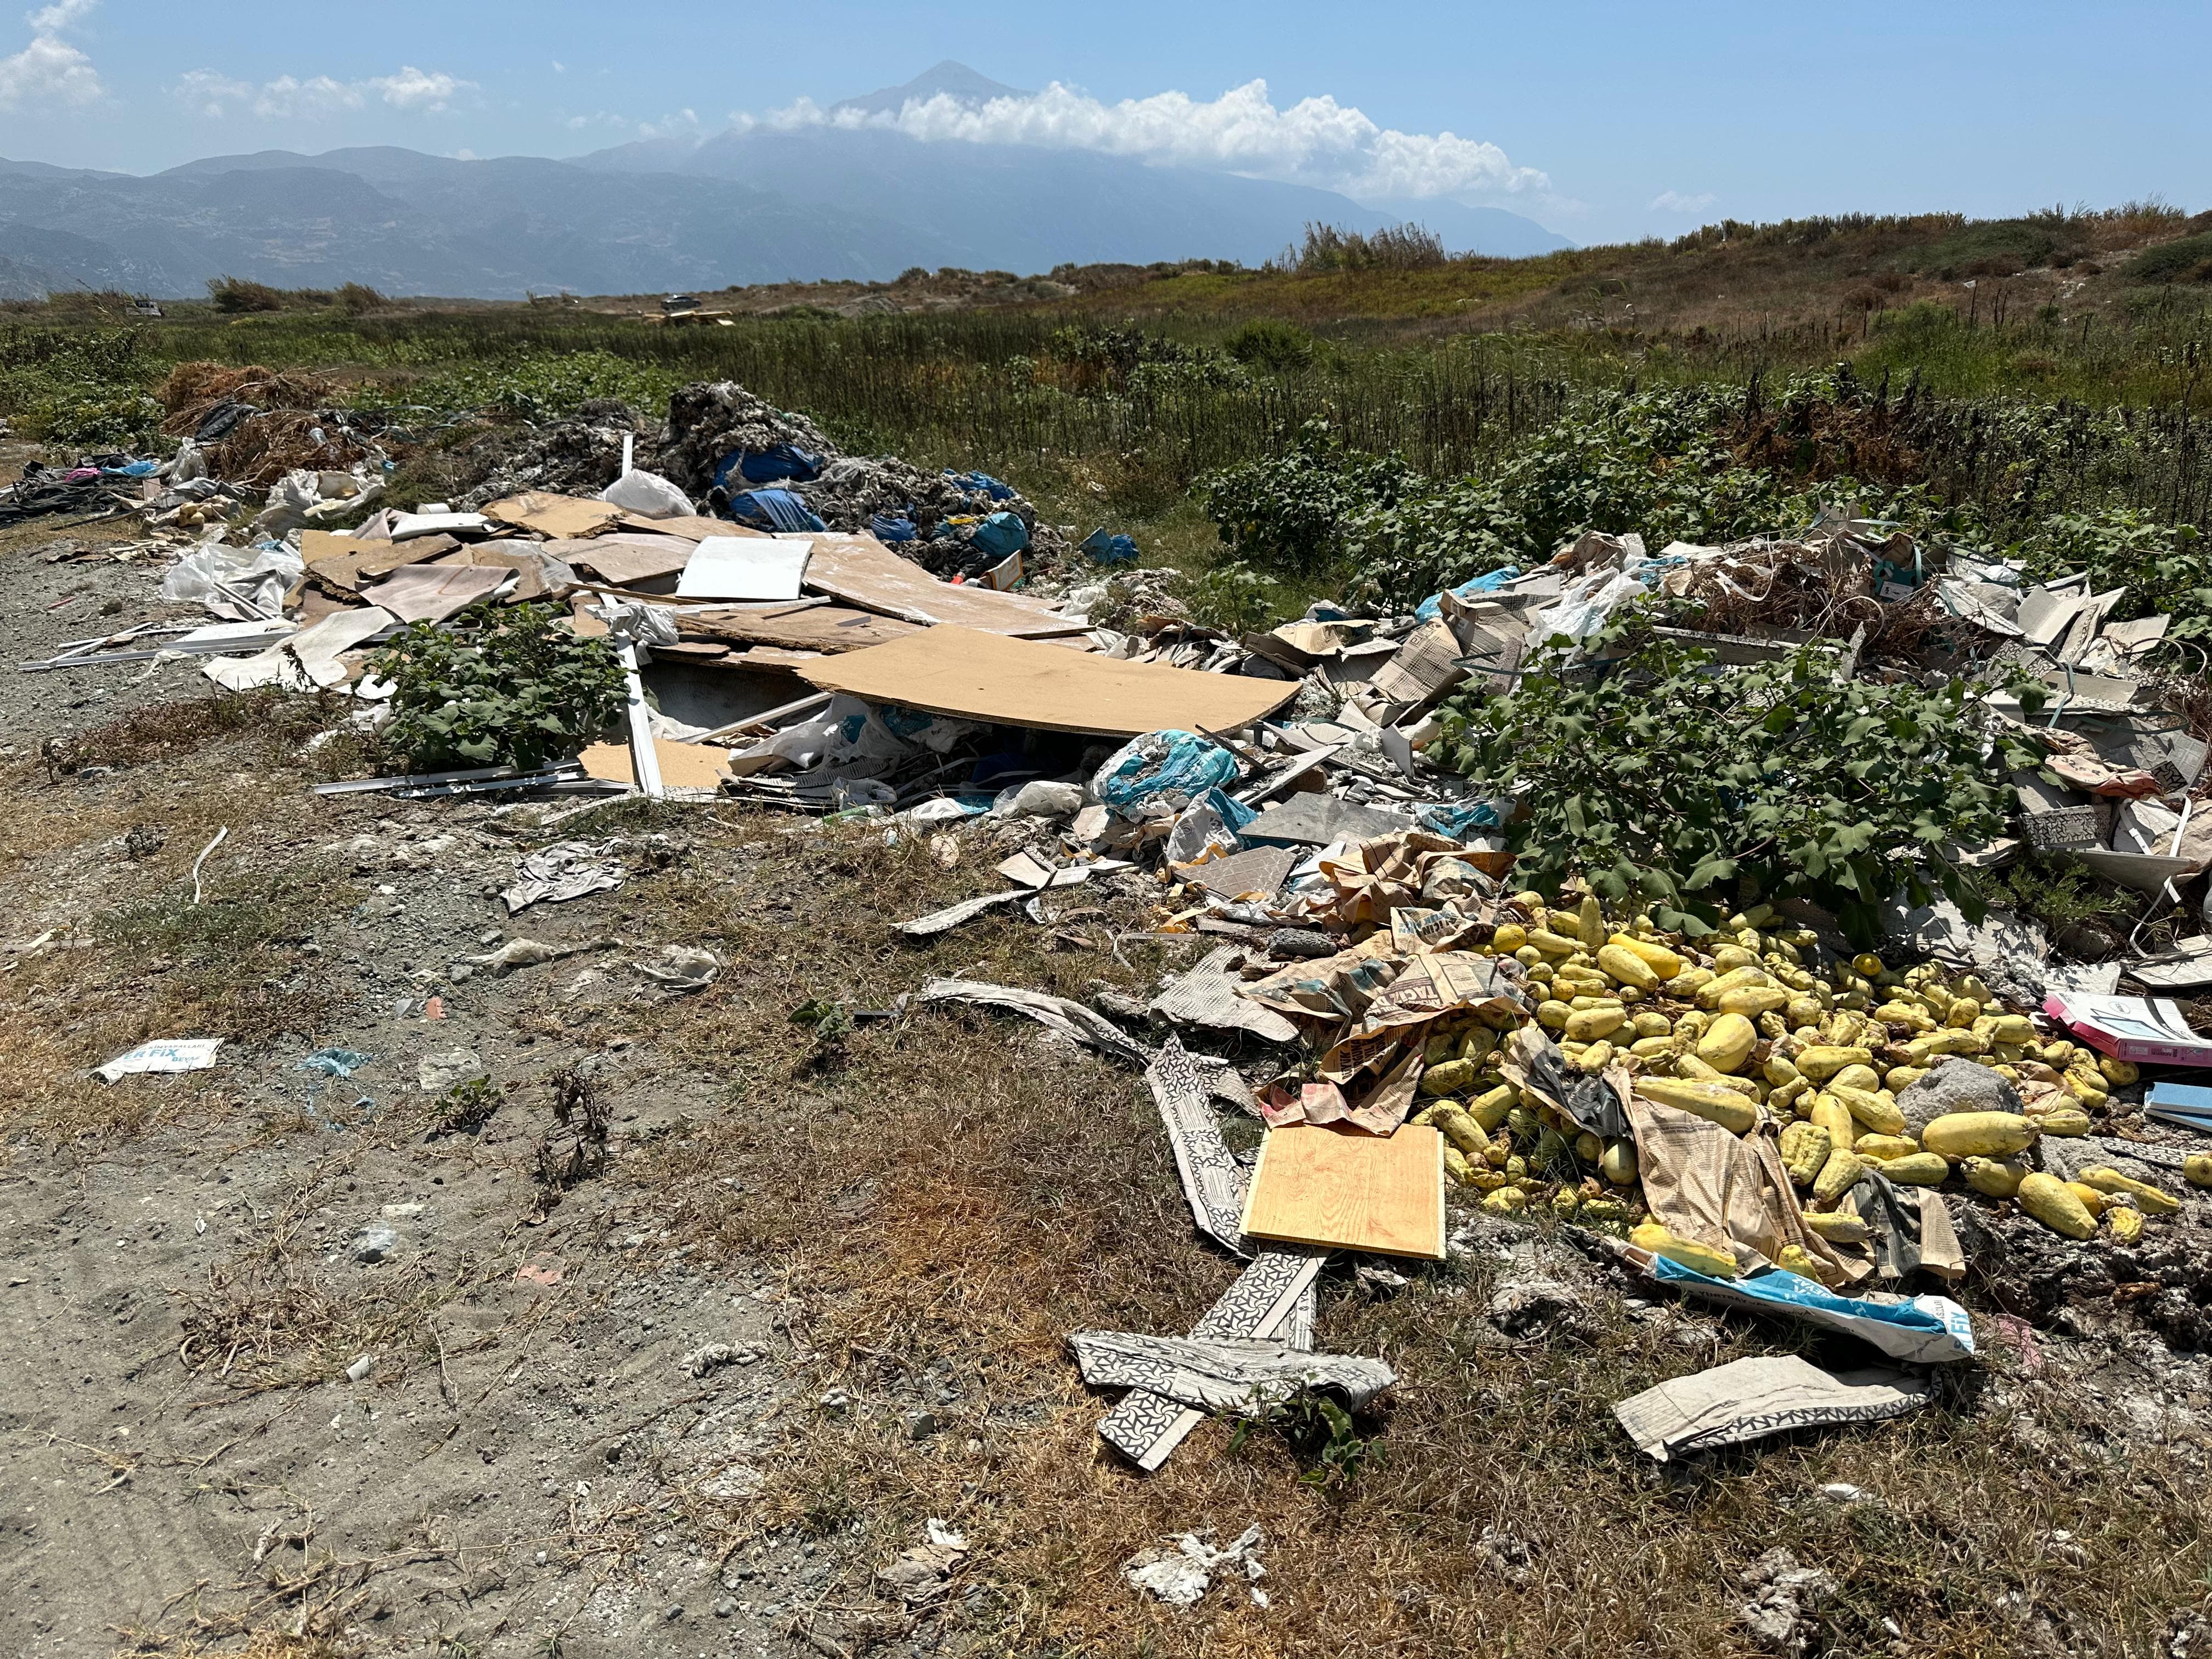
column 860, row 570
column 552, row 515
column 1029, row 682
column 683, row 765
column 1318, row 1185
column 829, row 627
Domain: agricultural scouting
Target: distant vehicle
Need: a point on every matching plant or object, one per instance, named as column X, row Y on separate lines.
column 679, row 302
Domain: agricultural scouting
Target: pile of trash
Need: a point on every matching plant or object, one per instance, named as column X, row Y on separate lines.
column 1761, row 1114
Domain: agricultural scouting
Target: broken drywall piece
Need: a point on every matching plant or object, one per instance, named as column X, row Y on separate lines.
column 1750, row 1399
column 1245, row 1375
column 1180, row 1571
column 939, row 922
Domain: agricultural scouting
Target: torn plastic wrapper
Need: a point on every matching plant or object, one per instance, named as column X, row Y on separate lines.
column 1921, row 1330
column 1750, row 1399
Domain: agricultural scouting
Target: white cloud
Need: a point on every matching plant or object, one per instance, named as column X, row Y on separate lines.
column 1316, row 141
column 288, row 99
column 47, row 71
column 414, row 89
column 52, row 19
column 212, row 94
column 1674, row 201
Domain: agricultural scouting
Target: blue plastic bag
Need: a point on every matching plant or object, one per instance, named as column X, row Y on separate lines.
column 773, row 509
column 1002, row 535
column 1109, row 549
column 1460, row 819
column 1174, row 766
column 983, row 482
column 1427, row 609
column 891, row 528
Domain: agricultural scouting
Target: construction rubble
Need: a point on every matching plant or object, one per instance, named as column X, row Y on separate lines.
column 1767, row 1116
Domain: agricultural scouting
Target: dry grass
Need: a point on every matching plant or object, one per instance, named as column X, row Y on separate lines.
column 270, row 1317
column 952, row 1195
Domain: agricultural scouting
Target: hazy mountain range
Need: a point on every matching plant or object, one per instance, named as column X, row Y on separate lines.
column 743, row 206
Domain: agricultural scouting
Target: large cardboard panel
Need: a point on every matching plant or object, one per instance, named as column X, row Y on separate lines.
column 860, row 570
column 829, row 627
column 683, row 765
column 1010, row 682
column 554, row 516
column 1318, row 1185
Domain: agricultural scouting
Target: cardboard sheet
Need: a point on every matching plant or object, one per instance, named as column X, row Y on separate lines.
column 350, row 563
column 1355, row 1192
column 679, row 524
column 860, row 570
column 623, row 559
column 683, row 765
column 745, row 568
column 1012, row 682
column 432, row 592
column 554, row 516
column 827, row 628
column 1322, row 820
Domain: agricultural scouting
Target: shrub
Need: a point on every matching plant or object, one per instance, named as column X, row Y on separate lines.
column 1290, row 513
column 235, row 295
column 1661, row 778
column 355, row 299
column 505, row 686
column 2188, row 259
column 1266, row 343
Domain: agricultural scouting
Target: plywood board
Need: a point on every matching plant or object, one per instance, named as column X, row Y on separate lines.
column 827, row 628
column 690, row 524
column 554, row 516
column 1316, row 1185
column 683, row 765
column 750, row 567
column 860, row 570
column 1027, row 682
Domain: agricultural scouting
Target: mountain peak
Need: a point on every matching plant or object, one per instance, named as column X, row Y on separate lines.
column 948, row 80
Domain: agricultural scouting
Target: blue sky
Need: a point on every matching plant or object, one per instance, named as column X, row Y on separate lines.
column 1601, row 121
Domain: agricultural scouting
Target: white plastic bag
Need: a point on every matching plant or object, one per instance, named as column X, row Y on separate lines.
column 262, row 574
column 647, row 493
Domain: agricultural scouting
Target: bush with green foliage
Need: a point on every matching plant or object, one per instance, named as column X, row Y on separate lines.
column 1270, row 343
column 1290, row 513
column 1649, row 462
column 2160, row 565
column 2185, row 259
column 1657, row 775
column 238, row 296
column 504, row 685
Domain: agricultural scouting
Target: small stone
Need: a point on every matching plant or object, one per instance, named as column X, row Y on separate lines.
column 922, row 1424
column 373, row 1244
column 726, row 1608
column 674, row 1611
column 836, row 1401
column 403, row 1211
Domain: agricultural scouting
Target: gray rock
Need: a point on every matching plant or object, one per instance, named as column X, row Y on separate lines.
column 921, row 1426
column 1955, row 1086
column 435, row 1073
column 726, row 1608
column 375, row 1243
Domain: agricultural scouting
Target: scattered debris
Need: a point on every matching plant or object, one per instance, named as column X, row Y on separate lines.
column 177, row 1055
column 1181, row 1570
column 1750, row 1399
